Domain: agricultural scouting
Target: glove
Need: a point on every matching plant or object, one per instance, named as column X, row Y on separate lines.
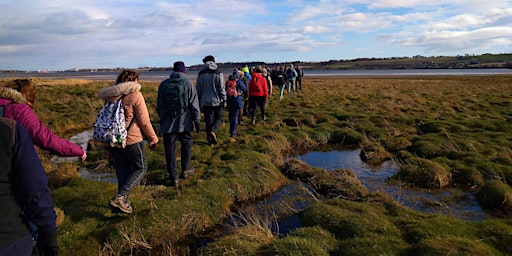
column 197, row 126
column 47, row 243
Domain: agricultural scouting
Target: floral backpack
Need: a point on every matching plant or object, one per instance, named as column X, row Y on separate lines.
column 110, row 126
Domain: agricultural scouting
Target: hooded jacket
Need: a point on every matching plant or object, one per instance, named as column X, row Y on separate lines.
column 210, row 86
column 134, row 107
column 258, row 86
column 185, row 121
column 16, row 107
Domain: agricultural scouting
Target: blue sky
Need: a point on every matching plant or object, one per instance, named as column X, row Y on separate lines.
column 63, row 34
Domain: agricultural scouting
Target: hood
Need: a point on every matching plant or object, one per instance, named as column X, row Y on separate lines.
column 116, row 90
column 13, row 95
column 210, row 65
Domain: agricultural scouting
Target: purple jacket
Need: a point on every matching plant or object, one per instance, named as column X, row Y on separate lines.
column 41, row 135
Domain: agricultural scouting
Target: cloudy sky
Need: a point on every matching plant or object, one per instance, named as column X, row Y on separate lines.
column 63, row 34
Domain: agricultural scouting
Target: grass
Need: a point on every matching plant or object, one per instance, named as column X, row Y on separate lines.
column 444, row 131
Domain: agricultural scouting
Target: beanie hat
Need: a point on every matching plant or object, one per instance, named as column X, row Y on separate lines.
column 208, row 58
column 245, row 69
column 179, row 66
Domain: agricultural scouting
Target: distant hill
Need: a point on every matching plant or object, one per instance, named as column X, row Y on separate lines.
column 416, row 62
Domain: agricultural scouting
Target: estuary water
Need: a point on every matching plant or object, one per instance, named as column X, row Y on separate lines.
column 192, row 74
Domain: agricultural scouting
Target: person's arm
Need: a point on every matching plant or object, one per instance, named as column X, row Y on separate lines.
column 142, row 116
column 42, row 136
column 30, row 188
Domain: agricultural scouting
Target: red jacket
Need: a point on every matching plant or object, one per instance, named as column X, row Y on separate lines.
column 258, row 85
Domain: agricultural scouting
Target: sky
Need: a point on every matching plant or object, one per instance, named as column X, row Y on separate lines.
column 63, row 34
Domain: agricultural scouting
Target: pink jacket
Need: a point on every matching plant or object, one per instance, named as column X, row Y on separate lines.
column 16, row 108
column 135, row 107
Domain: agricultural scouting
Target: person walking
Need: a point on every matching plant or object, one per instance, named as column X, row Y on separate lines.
column 280, row 81
column 211, row 91
column 178, row 126
column 258, row 95
column 298, row 81
column 17, row 98
column 130, row 162
column 24, row 196
column 291, row 76
column 235, row 90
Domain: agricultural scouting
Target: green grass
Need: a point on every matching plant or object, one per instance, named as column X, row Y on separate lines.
column 457, row 128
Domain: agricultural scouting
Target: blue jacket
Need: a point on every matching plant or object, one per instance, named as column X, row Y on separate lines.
column 235, row 103
column 185, row 121
column 25, row 183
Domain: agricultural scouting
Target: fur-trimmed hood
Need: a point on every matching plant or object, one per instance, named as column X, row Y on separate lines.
column 117, row 90
column 13, row 95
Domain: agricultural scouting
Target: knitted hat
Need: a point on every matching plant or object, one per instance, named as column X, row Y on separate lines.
column 179, row 66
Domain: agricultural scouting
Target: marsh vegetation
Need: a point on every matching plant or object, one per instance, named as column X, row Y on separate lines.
column 443, row 132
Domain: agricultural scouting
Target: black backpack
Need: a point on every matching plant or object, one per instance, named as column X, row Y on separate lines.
column 175, row 96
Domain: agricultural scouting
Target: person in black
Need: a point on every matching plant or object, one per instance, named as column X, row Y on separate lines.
column 300, row 74
column 27, row 211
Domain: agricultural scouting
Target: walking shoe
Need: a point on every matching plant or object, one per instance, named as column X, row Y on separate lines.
column 121, row 202
column 213, row 138
column 264, row 118
column 174, row 183
column 253, row 121
column 188, row 172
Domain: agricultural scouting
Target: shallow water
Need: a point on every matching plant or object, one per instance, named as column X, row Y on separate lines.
column 451, row 202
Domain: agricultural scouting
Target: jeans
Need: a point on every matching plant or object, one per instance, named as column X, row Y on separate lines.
column 212, row 118
column 131, row 165
column 234, row 115
column 291, row 85
column 170, row 141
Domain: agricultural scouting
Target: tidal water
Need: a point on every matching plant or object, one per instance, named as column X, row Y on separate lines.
column 192, row 74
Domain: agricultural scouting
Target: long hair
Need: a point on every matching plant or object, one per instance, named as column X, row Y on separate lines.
column 26, row 87
column 127, row 75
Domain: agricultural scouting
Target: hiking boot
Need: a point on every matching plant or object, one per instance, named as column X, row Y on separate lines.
column 188, row 172
column 264, row 118
column 233, row 140
column 213, row 138
column 174, row 183
column 253, row 121
column 121, row 202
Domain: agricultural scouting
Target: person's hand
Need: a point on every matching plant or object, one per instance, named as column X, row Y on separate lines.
column 197, row 126
column 224, row 104
column 84, row 156
column 153, row 145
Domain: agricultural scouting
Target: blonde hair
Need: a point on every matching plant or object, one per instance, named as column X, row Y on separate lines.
column 26, row 87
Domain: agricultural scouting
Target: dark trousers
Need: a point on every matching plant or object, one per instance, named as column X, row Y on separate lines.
column 21, row 247
column 255, row 101
column 170, row 141
column 212, row 118
column 131, row 166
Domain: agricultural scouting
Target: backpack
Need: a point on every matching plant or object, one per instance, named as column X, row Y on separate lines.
column 290, row 74
column 110, row 126
column 175, row 96
column 231, row 88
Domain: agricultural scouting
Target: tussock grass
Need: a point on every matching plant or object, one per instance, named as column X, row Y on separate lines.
column 458, row 127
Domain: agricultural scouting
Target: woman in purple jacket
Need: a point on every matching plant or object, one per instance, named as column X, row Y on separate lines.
column 16, row 100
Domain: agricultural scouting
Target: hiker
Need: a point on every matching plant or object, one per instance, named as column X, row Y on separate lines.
column 17, row 98
column 291, row 76
column 27, row 212
column 177, row 124
column 298, row 82
column 258, row 95
column 280, row 81
column 235, row 90
column 211, row 91
column 130, row 162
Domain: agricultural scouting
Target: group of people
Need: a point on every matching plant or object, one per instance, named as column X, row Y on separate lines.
column 24, row 188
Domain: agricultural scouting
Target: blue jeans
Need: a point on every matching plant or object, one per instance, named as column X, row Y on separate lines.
column 170, row 141
column 234, row 114
column 212, row 118
column 131, row 165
